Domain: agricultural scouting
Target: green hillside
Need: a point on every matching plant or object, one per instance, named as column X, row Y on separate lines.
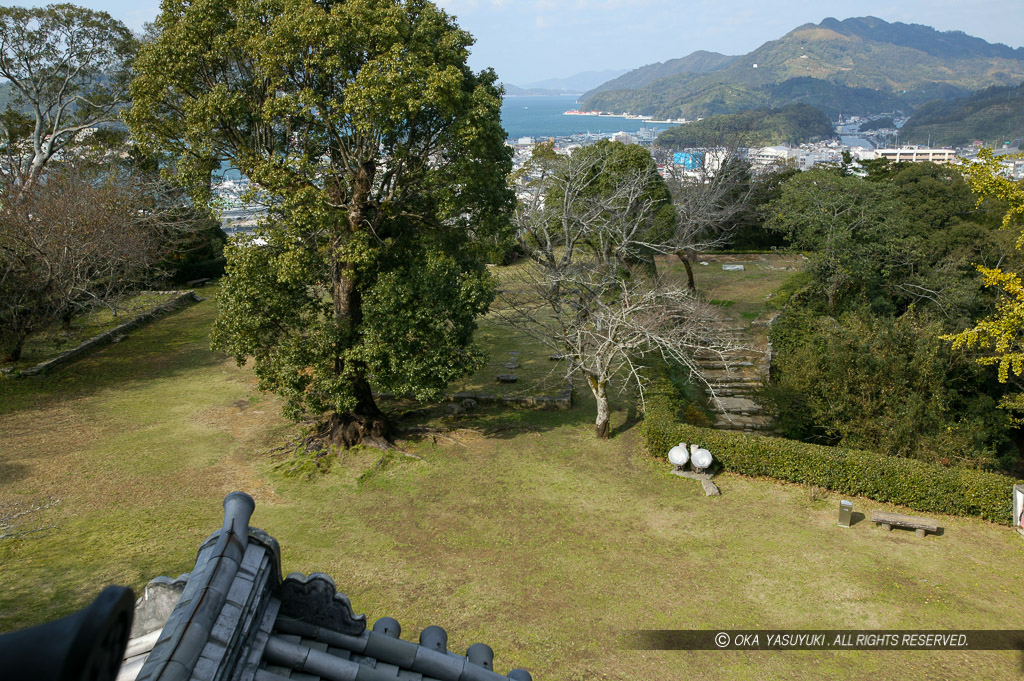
column 793, row 124
column 857, row 66
column 700, row 61
column 994, row 115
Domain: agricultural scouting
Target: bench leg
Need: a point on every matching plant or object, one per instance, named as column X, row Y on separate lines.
column 921, row 532
column 887, row 527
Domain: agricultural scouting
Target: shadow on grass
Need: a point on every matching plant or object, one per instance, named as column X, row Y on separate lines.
column 12, row 472
column 633, row 418
column 493, row 422
column 417, row 422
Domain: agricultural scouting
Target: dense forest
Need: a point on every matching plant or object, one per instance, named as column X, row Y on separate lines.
column 878, row 124
column 793, row 124
column 858, row 356
column 994, row 115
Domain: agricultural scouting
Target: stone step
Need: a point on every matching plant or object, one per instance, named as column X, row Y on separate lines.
column 737, row 382
column 736, row 405
column 730, row 392
column 724, row 365
column 733, row 378
column 733, row 372
column 730, row 355
column 742, row 423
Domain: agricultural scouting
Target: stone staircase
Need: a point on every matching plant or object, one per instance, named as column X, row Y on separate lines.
column 734, row 376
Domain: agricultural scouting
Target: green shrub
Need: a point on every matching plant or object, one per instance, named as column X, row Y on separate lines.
column 907, row 482
column 673, row 394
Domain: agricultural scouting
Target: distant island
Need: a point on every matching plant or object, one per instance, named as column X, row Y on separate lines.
column 515, row 91
column 570, row 86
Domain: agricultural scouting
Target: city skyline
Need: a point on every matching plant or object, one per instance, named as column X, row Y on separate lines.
column 527, row 41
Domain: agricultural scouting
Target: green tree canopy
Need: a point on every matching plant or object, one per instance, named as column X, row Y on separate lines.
column 857, row 360
column 884, row 384
column 999, row 338
column 908, row 234
column 68, row 67
column 381, row 158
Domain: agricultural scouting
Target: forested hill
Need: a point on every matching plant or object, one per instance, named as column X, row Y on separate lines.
column 792, row 124
column 856, row 66
column 697, row 62
column 994, row 115
column 6, row 95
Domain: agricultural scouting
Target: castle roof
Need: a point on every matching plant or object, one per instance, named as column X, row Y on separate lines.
column 235, row 618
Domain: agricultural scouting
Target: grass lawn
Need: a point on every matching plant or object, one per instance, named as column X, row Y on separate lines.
column 745, row 295
column 538, row 374
column 55, row 340
column 520, row 530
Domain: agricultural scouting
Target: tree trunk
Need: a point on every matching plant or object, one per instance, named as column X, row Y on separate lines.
column 683, row 258
column 365, row 423
column 600, row 390
column 14, row 353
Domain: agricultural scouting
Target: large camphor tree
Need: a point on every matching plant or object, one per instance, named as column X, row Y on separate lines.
column 381, row 159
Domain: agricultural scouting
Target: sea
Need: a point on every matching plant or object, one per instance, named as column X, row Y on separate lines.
column 544, row 117
column 537, row 117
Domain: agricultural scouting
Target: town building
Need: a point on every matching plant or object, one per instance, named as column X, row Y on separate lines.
column 917, row 155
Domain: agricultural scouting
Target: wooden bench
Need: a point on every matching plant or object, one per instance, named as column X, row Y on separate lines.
column 197, row 283
column 921, row 526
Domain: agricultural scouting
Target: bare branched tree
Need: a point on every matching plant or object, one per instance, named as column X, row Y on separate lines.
column 78, row 239
column 590, row 290
column 707, row 197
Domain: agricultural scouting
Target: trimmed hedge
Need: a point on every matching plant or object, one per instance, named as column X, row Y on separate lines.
column 907, row 482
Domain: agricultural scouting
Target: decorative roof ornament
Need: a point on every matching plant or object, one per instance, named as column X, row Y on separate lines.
column 238, row 620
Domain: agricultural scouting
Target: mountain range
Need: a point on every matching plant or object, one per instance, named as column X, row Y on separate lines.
column 570, row 85
column 856, row 66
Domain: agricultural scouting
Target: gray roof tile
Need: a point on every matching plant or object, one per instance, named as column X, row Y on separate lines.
column 238, row 620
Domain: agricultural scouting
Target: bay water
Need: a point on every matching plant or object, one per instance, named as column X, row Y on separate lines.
column 544, row 117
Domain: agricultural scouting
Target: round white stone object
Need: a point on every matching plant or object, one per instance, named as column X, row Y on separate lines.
column 701, row 458
column 679, row 455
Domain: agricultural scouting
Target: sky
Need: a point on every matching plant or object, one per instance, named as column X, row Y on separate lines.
column 527, row 41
